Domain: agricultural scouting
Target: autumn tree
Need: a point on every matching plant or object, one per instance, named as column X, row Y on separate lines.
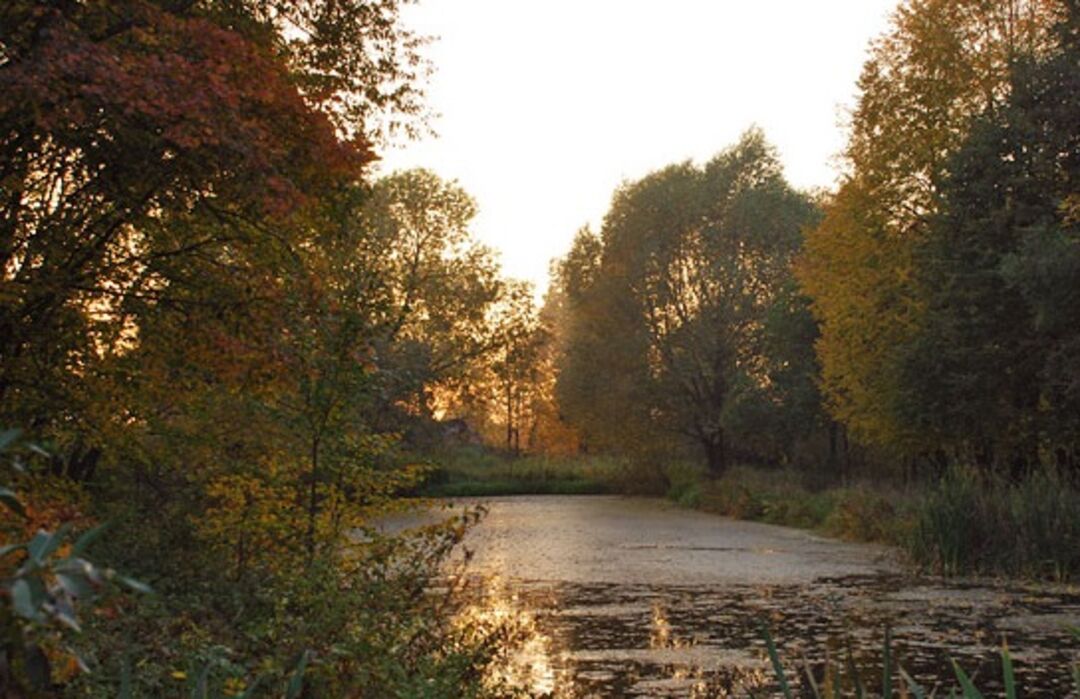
column 941, row 64
column 433, row 290
column 136, row 137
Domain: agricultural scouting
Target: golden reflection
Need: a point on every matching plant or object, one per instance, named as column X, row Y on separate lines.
column 660, row 630
column 530, row 665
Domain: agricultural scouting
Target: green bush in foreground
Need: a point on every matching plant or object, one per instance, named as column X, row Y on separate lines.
column 377, row 620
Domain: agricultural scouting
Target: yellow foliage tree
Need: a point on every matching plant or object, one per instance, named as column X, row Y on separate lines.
column 943, row 62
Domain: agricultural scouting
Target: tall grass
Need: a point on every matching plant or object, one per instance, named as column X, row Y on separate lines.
column 481, row 471
column 835, row 677
column 973, row 522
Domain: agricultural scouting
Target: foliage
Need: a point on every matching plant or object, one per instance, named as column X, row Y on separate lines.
column 784, row 497
column 227, row 338
column 664, row 339
column 990, row 376
column 835, row 678
column 977, row 522
column 45, row 579
column 941, row 64
column 369, row 622
column 481, row 471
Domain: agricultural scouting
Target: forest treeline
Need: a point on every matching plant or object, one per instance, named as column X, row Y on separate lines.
column 923, row 315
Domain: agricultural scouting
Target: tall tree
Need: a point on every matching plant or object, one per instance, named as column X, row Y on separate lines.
column 991, row 375
column 692, row 260
column 942, row 63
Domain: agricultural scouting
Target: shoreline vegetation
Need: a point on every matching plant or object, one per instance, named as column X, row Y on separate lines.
column 966, row 523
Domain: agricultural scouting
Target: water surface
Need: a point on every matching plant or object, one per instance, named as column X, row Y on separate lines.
column 627, row 597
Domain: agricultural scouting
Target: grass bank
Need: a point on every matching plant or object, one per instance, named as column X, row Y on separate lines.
column 470, row 471
column 968, row 522
column 785, row 497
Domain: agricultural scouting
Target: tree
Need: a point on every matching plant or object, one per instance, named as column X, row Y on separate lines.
column 433, row 289
column 692, row 260
column 990, row 375
column 942, row 63
column 134, row 138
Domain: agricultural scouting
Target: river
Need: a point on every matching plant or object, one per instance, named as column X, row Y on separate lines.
column 626, row 597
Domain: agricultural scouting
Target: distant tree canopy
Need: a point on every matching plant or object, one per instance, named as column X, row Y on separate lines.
column 669, row 311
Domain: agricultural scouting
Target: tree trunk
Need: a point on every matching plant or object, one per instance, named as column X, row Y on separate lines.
column 312, row 508
column 715, row 454
column 509, row 418
column 834, row 456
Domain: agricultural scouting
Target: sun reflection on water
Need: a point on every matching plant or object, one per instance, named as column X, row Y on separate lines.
column 530, row 666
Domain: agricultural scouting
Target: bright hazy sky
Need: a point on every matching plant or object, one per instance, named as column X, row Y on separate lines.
column 545, row 107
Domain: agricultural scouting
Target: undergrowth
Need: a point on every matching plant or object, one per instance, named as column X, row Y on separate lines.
column 779, row 497
column 468, row 471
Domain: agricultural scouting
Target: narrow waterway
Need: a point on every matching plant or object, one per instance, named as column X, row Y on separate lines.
column 625, row 597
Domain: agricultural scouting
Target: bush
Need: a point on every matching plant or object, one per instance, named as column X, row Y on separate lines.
column 860, row 514
column 368, row 619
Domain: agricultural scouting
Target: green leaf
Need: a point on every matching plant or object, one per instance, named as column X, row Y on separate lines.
column 86, row 538
column 201, row 689
column 915, row 688
column 11, row 500
column 8, row 548
column 27, row 596
column 860, row 691
column 125, row 679
column 8, row 437
column 64, row 613
column 970, row 691
column 45, row 543
column 296, row 682
column 774, row 658
column 75, row 585
column 44, row 453
column 135, row 585
column 1007, row 671
column 837, row 693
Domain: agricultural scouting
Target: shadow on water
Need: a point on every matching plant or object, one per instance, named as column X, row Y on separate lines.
column 612, row 640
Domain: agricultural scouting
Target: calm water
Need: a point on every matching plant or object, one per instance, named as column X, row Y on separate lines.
column 624, row 597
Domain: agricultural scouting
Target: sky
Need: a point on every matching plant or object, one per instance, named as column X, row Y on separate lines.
column 544, row 108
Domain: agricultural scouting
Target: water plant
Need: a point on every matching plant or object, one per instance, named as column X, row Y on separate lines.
column 987, row 523
column 834, row 674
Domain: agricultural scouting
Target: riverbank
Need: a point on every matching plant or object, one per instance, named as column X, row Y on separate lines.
column 965, row 523
column 864, row 512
